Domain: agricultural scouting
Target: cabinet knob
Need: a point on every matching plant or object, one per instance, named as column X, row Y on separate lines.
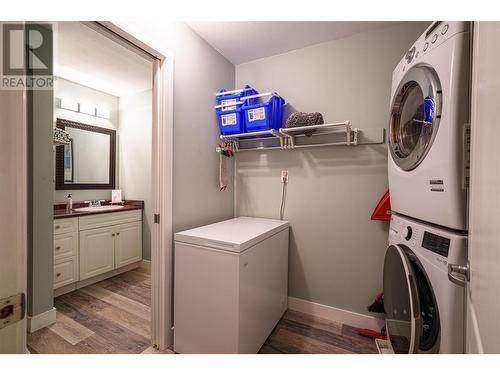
column 58, row 274
column 58, row 226
column 118, row 233
column 113, row 234
column 58, row 247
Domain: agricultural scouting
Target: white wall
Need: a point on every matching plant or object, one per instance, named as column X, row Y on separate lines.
column 135, row 140
column 83, row 94
column 199, row 72
column 336, row 251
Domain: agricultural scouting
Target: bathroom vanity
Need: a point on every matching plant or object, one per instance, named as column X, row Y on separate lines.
column 92, row 245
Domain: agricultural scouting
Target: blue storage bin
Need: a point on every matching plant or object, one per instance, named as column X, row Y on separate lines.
column 264, row 116
column 229, row 112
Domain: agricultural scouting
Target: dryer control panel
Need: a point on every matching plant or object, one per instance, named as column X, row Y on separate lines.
column 436, row 34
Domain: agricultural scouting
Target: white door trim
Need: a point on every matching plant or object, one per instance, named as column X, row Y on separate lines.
column 335, row 314
column 13, row 217
column 161, row 233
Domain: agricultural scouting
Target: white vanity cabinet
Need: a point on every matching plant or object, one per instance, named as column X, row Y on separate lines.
column 105, row 249
column 92, row 245
column 65, row 251
column 128, row 243
column 97, row 251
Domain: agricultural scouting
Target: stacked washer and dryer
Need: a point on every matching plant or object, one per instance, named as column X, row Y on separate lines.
column 424, row 296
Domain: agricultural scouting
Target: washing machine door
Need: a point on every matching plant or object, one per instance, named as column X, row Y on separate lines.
column 413, row 323
column 415, row 114
column 401, row 302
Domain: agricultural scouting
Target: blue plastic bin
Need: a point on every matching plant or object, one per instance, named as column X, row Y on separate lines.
column 229, row 112
column 264, row 116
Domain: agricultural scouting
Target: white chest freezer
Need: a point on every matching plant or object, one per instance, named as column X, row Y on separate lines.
column 230, row 285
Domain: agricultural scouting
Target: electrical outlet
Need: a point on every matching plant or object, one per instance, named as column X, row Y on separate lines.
column 284, row 177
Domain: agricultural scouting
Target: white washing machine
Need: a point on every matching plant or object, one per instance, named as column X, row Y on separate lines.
column 429, row 127
column 424, row 298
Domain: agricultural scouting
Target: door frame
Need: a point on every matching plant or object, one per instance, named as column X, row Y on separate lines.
column 13, row 231
column 162, row 177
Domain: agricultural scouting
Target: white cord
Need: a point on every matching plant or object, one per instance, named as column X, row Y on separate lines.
column 283, row 200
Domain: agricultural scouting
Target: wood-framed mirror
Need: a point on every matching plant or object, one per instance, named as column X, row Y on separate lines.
column 89, row 160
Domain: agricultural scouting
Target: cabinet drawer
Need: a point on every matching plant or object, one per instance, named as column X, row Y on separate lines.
column 108, row 219
column 65, row 272
column 65, row 245
column 65, row 225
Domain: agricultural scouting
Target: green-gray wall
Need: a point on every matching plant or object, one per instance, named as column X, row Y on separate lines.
column 336, row 251
column 199, row 72
column 40, row 199
column 135, row 167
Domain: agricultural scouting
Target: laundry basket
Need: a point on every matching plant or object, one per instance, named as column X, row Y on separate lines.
column 228, row 109
column 265, row 115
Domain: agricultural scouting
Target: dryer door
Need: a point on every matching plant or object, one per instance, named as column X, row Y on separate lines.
column 415, row 114
column 401, row 301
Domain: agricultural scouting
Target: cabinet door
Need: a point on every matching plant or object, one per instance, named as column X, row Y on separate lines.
column 128, row 243
column 97, row 251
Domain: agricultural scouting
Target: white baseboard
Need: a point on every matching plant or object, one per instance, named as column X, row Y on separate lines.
column 145, row 265
column 34, row 323
column 335, row 314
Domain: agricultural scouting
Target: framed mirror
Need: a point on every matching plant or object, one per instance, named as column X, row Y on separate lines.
column 89, row 160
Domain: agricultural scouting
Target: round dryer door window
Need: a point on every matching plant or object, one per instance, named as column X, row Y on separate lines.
column 412, row 316
column 415, row 113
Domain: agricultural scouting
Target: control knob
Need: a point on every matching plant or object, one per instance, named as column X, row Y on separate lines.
column 409, row 233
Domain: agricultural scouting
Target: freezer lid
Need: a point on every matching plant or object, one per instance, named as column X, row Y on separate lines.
column 234, row 235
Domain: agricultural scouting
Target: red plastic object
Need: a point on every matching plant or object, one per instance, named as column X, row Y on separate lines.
column 371, row 334
column 383, row 209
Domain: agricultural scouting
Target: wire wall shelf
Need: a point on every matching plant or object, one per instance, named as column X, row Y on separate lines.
column 333, row 134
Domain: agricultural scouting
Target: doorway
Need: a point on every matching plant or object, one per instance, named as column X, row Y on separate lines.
column 100, row 73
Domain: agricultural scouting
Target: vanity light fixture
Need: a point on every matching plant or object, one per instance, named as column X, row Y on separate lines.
column 88, row 109
column 69, row 104
column 103, row 112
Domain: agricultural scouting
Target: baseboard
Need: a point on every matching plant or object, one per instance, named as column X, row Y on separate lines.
column 145, row 265
column 335, row 314
column 34, row 323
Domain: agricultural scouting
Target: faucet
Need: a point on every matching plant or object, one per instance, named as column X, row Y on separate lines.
column 95, row 203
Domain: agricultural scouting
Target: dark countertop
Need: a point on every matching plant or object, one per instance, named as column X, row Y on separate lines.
column 61, row 213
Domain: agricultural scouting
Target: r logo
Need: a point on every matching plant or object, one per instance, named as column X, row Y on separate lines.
column 27, row 49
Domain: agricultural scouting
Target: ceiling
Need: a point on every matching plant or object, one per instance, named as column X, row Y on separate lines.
column 87, row 57
column 241, row 42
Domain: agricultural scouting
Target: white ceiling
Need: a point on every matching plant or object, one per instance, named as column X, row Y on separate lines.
column 87, row 57
column 240, row 42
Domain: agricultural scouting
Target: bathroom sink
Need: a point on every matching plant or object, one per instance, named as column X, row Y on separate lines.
column 97, row 209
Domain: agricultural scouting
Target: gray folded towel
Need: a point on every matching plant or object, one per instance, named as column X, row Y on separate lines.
column 298, row 119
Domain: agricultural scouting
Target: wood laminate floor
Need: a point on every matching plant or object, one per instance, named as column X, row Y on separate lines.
column 114, row 316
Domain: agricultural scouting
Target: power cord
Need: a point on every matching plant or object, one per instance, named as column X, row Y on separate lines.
column 283, row 200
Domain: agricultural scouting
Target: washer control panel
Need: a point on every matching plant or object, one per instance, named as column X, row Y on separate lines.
column 404, row 233
column 435, row 245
